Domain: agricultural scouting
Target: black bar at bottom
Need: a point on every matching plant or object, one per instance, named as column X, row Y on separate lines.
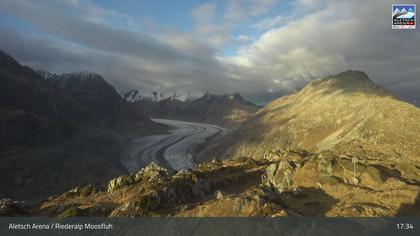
column 210, row 226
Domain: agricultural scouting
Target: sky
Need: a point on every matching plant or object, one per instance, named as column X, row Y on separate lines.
column 259, row 48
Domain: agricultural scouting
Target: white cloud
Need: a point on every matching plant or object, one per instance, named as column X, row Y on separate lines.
column 342, row 35
column 208, row 28
column 217, row 30
column 269, row 23
column 321, row 37
column 244, row 38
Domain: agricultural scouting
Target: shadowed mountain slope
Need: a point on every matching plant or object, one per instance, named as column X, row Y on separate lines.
column 59, row 132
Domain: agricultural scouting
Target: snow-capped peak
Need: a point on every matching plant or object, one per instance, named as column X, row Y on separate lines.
column 131, row 96
column 134, row 96
column 81, row 74
column 45, row 74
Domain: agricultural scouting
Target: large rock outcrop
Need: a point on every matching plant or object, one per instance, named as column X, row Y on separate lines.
column 279, row 176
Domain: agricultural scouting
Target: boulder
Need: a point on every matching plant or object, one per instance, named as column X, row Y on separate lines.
column 325, row 166
column 278, row 176
column 10, row 207
column 152, row 172
column 7, row 203
column 119, row 182
column 74, row 190
column 273, row 155
column 218, row 194
column 216, row 162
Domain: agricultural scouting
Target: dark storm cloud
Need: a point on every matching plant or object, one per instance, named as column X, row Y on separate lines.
column 57, row 57
column 100, row 36
column 43, row 52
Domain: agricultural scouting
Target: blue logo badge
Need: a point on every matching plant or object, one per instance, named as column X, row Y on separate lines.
column 403, row 16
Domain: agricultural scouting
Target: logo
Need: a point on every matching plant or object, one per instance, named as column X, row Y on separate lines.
column 403, row 16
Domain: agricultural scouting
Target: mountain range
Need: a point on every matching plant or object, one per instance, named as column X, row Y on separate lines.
column 226, row 110
column 60, row 131
column 136, row 96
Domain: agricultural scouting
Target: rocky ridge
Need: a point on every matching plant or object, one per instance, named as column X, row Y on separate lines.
column 282, row 183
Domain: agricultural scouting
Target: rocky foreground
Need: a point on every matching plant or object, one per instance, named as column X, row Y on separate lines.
column 283, row 183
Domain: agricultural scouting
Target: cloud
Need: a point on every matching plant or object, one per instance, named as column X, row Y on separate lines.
column 95, row 35
column 339, row 36
column 126, row 58
column 207, row 26
column 269, row 23
column 244, row 38
column 217, row 27
column 240, row 10
column 317, row 38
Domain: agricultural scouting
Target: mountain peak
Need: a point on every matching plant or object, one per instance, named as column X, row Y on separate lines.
column 348, row 81
column 235, row 96
column 132, row 95
column 354, row 76
column 45, row 74
column 353, row 73
column 82, row 75
column 80, row 81
column 21, row 73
